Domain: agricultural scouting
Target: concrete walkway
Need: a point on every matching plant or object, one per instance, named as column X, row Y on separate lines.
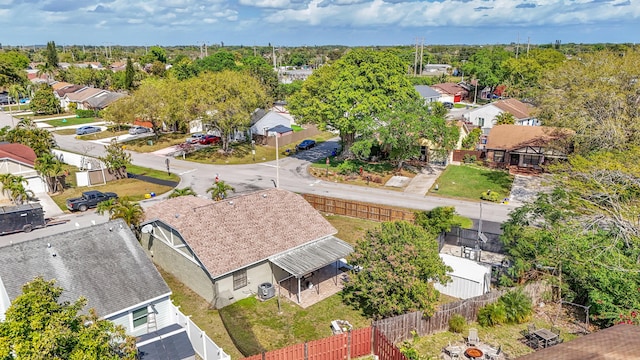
column 424, row 180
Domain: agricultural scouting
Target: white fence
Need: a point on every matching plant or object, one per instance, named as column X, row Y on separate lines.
column 80, row 161
column 202, row 344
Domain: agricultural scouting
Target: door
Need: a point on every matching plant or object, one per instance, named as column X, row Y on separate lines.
column 515, row 159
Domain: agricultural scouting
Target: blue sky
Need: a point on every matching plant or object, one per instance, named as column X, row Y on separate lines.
column 317, row 22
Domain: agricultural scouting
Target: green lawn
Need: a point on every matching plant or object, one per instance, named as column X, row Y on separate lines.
column 158, row 174
column 70, row 121
column 470, row 181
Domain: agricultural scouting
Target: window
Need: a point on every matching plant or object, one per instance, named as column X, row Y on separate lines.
column 498, row 156
column 530, row 160
column 239, row 279
column 480, row 122
column 140, row 317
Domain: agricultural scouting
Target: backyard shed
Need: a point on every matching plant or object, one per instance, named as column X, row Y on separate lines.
column 468, row 278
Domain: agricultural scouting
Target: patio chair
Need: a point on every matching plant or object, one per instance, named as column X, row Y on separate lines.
column 493, row 354
column 473, row 337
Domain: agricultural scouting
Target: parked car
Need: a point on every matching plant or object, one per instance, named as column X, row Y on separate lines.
column 89, row 199
column 448, row 105
column 209, row 139
column 87, row 130
column 194, row 138
column 134, row 130
column 306, row 144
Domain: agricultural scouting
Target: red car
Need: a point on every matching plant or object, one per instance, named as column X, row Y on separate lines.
column 209, row 139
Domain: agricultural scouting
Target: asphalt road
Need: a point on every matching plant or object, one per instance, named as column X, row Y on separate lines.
column 293, row 176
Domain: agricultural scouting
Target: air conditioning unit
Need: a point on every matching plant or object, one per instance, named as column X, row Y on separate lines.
column 266, row 291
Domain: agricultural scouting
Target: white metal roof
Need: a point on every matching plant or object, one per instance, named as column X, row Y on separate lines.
column 465, row 268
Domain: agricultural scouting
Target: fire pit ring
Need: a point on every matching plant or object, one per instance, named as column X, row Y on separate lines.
column 473, row 353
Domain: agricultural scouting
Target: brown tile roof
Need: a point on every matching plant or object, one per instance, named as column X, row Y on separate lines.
column 450, row 89
column 69, row 89
column 230, row 234
column 510, row 137
column 18, row 152
column 83, row 94
column 619, row 342
column 517, row 108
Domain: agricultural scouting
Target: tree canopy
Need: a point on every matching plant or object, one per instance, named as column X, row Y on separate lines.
column 597, row 95
column 399, row 263
column 349, row 94
column 586, row 230
column 39, row 326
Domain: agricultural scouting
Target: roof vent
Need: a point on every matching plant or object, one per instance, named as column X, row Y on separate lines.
column 48, row 245
column 264, row 195
column 110, row 228
column 230, row 202
column 54, row 254
column 177, row 216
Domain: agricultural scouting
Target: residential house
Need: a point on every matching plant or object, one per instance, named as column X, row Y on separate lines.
column 80, row 97
column 428, row 94
column 18, row 159
column 619, row 342
column 261, row 125
column 428, row 150
column 526, row 147
column 451, row 92
column 102, row 100
column 62, row 89
column 105, row 264
column 225, row 250
column 485, row 116
column 436, row 69
column 118, row 66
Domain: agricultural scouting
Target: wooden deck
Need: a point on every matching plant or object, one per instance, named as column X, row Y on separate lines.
column 326, row 282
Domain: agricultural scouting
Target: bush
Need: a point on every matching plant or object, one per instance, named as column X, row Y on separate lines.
column 518, row 306
column 457, row 323
column 85, row 113
column 491, row 196
column 347, row 167
column 468, row 159
column 492, row 314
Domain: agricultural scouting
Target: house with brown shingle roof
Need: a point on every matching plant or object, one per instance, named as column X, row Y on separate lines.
column 526, row 147
column 451, row 92
column 225, row 250
column 485, row 116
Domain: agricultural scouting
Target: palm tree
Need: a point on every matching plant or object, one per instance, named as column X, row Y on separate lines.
column 12, row 186
column 49, row 167
column 106, row 206
column 505, row 118
column 182, row 192
column 15, row 91
column 129, row 211
column 219, row 190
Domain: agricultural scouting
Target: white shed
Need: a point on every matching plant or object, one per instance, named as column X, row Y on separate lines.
column 469, row 278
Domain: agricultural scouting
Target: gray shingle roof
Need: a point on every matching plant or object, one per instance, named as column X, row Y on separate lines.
column 426, row 92
column 229, row 235
column 108, row 267
column 103, row 100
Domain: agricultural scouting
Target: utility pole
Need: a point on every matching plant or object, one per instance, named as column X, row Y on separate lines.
column 518, row 46
column 528, row 43
column 421, row 56
column 415, row 60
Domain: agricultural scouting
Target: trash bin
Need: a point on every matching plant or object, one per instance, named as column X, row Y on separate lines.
column 152, row 194
column 149, row 142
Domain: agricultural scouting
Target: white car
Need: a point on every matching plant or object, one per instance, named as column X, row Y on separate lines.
column 134, row 130
column 194, row 138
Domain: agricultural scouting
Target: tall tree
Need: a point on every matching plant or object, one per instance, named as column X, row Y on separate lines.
column 129, row 211
column 187, row 191
column 44, row 101
column 399, row 263
column 486, row 66
column 225, row 100
column 129, row 74
column 16, row 91
column 40, row 326
column 116, row 159
column 52, row 55
column 505, row 118
column 13, row 187
column 597, row 95
column 351, row 93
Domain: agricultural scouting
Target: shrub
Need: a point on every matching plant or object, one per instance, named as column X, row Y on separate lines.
column 347, row 167
column 457, row 323
column 491, row 196
column 517, row 305
column 85, row 113
column 468, row 159
column 492, row 314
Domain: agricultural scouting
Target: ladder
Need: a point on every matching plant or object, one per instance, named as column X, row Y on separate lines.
column 151, row 321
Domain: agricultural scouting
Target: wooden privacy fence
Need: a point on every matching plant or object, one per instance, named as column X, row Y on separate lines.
column 385, row 349
column 399, row 328
column 357, row 209
column 353, row 344
column 458, row 155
